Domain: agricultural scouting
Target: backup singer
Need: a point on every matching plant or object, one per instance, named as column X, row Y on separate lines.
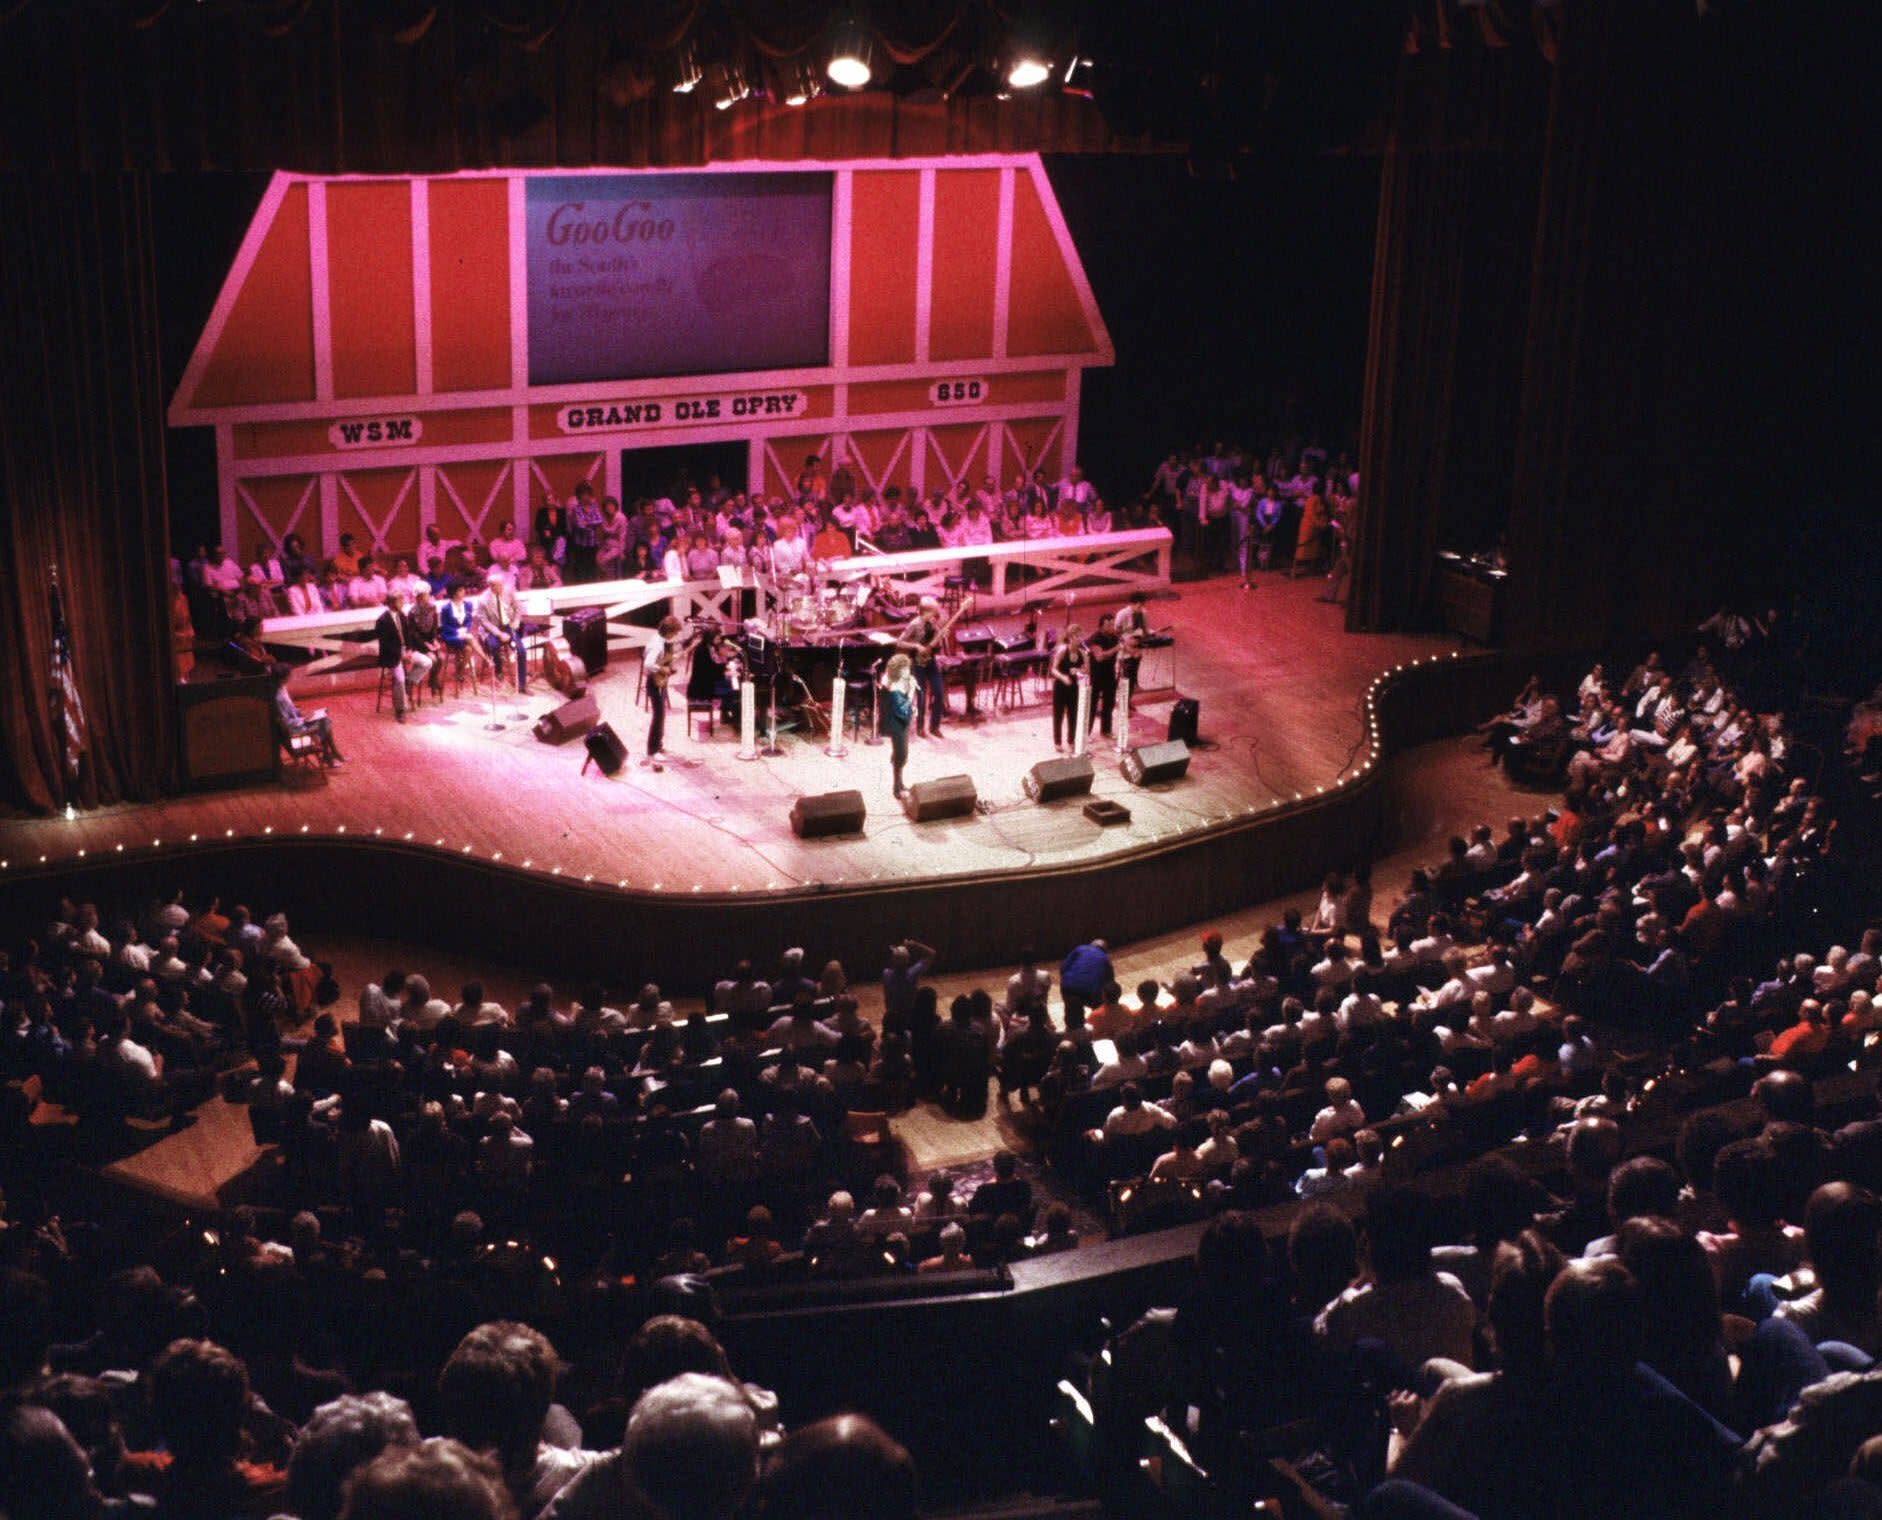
column 897, row 694
column 1068, row 666
column 1102, row 648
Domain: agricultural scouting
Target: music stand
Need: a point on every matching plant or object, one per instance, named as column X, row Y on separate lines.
column 765, row 660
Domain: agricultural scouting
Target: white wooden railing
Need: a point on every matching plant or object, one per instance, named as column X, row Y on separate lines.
column 1098, row 565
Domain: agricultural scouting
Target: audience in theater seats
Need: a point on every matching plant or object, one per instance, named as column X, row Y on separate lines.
column 494, row 1395
column 434, row 1478
column 690, row 1451
column 1580, row 1326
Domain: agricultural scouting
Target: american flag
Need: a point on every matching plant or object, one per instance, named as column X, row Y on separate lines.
column 71, row 708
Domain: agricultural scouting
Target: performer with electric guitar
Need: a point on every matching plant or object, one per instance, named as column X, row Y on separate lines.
column 1133, row 633
column 1133, row 625
column 922, row 641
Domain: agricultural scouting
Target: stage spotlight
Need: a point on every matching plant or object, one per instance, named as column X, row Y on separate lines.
column 798, row 83
column 731, row 88
column 850, row 53
column 1027, row 71
column 686, row 70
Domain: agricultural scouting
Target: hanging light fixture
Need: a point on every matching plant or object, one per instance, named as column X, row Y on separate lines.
column 798, row 82
column 1029, row 50
column 686, row 69
column 1026, row 70
column 851, row 54
column 730, row 88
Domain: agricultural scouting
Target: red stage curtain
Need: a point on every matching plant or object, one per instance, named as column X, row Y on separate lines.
column 1609, row 535
column 1552, row 333
column 400, row 87
column 1445, row 342
column 82, row 486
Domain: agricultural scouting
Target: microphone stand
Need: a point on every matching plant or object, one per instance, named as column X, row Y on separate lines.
column 771, row 749
column 496, row 725
column 836, row 749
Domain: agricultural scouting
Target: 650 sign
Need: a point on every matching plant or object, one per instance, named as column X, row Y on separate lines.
column 958, row 392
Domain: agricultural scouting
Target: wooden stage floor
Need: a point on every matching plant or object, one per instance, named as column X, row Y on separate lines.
column 1281, row 687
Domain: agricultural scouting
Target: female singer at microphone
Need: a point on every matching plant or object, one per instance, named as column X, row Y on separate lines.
column 897, row 689
column 1068, row 665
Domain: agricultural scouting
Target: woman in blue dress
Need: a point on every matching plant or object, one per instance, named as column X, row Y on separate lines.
column 898, row 710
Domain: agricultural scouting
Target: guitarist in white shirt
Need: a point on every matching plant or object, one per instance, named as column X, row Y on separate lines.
column 1133, row 625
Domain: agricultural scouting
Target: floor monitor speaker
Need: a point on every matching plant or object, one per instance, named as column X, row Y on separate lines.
column 1067, row 776
column 827, row 813
column 1154, row 763
column 606, row 749
column 948, row 797
column 569, row 721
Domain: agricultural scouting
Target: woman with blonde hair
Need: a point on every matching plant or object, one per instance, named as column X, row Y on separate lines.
column 897, row 690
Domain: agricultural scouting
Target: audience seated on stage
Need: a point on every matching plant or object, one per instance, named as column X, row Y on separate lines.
column 1260, row 498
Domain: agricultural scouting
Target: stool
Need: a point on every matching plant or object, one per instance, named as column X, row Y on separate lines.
column 1010, row 672
column 414, row 690
column 707, row 705
column 463, row 661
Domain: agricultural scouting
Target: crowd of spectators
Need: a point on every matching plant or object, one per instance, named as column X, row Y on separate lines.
column 179, row 1398
column 632, row 1135
column 689, row 535
column 569, row 1162
column 1239, row 510
column 1504, row 977
column 1625, row 1312
column 1231, row 508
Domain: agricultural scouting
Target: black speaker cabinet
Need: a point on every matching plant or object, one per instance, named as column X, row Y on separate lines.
column 948, row 797
column 568, row 721
column 1153, row 763
column 827, row 813
column 587, row 633
column 605, row 749
column 1067, row 776
column 1185, row 719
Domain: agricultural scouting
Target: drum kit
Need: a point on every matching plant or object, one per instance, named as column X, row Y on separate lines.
column 812, row 607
